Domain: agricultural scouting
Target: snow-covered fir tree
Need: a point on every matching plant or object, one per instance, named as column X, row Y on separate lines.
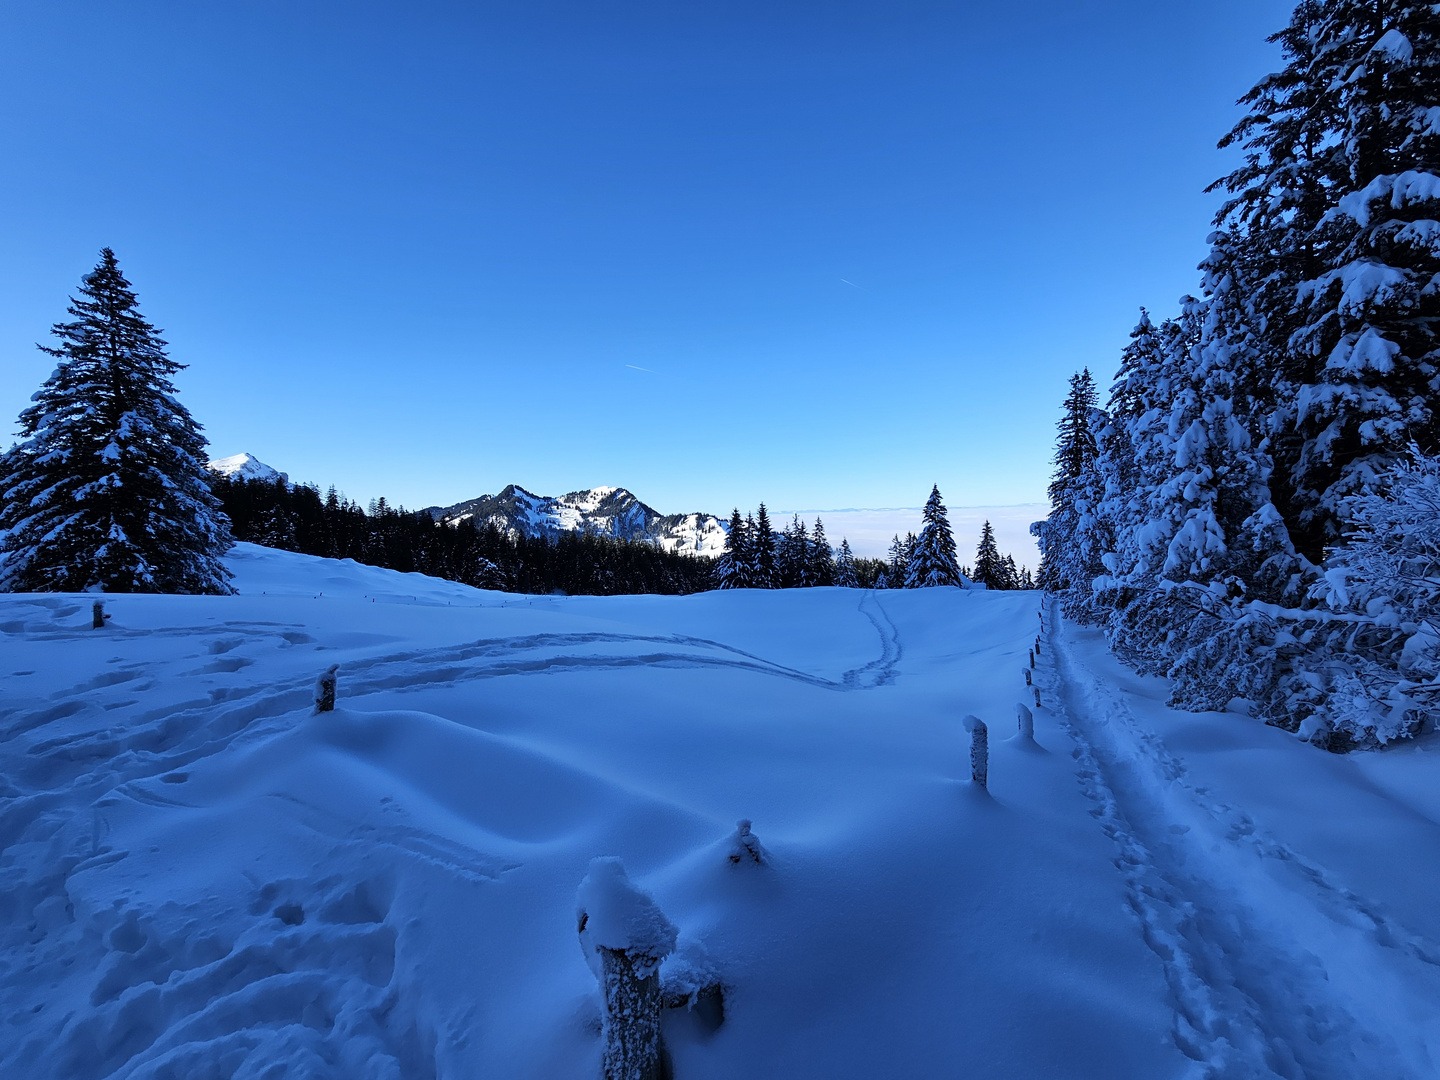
column 764, row 565
column 107, row 489
column 1369, row 310
column 897, row 564
column 276, row 529
column 1075, row 451
column 732, row 568
column 845, row 576
column 793, row 555
column 1257, row 433
column 1009, row 573
column 1384, row 666
column 1132, row 453
column 933, row 559
column 822, row 558
column 989, row 568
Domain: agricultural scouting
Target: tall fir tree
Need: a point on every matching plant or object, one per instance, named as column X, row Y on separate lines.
column 1331, row 209
column 1075, row 452
column 989, row 568
column 276, row 529
column 845, row 575
column 1368, row 317
column 822, row 559
column 1245, row 437
column 793, row 555
column 108, row 488
column 1009, row 573
column 933, row 562
column 764, row 565
column 897, row 563
column 732, row 568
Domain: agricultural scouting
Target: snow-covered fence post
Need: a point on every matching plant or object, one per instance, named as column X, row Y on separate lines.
column 1037, row 696
column 1025, row 720
column 325, row 690
column 97, row 615
column 745, row 845
column 1037, row 644
column 979, row 750
column 1026, row 672
column 624, row 937
column 1032, row 658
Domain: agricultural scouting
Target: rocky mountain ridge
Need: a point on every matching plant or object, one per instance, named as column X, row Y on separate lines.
column 603, row 511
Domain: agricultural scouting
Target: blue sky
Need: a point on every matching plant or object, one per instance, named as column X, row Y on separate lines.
column 820, row 254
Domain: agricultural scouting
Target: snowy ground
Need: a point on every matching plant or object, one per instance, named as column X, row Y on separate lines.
column 199, row 878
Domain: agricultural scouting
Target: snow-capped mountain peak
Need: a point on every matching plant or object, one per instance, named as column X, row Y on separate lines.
column 246, row 467
column 605, row 511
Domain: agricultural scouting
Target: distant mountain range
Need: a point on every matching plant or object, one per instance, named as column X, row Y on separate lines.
column 604, row 511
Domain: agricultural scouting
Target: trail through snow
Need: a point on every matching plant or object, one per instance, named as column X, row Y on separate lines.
column 1274, row 968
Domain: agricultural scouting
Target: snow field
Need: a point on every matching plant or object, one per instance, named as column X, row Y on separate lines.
column 201, row 878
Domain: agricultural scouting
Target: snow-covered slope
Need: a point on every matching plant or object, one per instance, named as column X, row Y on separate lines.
column 607, row 511
column 246, row 467
column 201, row 878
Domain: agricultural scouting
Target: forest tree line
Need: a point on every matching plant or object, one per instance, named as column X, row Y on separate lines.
column 1254, row 510
column 298, row 518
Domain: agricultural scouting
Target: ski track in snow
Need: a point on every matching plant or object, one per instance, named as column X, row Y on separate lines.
column 1274, row 969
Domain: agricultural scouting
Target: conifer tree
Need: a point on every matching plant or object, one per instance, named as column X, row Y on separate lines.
column 845, row 575
column 898, row 562
column 1009, row 574
column 1369, row 315
column 1133, row 453
column 989, row 569
column 764, row 567
column 732, row 569
column 751, row 554
column 108, row 488
column 822, row 559
column 276, row 530
column 1075, row 452
column 793, row 555
column 933, row 562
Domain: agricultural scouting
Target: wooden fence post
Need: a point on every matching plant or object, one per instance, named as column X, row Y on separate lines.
column 1025, row 720
column 624, row 937
column 325, row 690
column 979, row 751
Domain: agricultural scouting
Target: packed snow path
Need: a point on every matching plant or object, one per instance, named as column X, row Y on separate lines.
column 199, row 878
column 1275, row 968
